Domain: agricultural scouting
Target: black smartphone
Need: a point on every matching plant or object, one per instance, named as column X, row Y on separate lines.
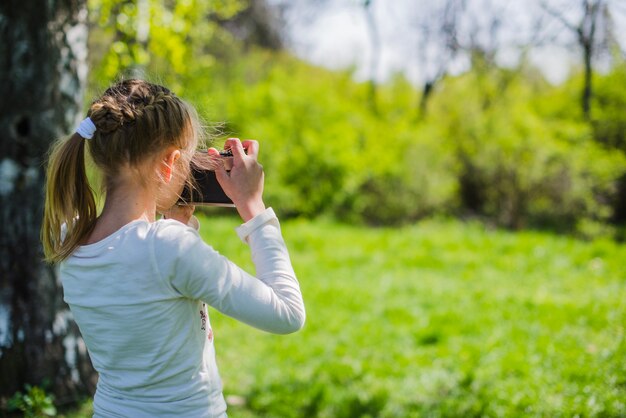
column 203, row 189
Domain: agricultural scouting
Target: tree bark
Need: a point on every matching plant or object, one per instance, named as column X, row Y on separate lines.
column 43, row 45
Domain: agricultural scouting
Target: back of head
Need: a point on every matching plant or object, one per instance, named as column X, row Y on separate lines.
column 134, row 120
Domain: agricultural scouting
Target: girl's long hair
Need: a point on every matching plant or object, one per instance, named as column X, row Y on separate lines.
column 69, row 199
column 134, row 121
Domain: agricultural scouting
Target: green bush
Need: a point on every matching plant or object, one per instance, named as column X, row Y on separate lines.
column 519, row 165
column 34, row 403
column 609, row 117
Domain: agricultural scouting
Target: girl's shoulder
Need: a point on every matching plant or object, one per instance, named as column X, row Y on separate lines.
column 172, row 232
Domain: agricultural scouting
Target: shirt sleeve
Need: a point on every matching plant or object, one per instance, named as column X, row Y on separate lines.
column 272, row 301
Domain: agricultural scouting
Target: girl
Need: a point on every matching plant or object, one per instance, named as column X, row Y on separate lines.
column 138, row 286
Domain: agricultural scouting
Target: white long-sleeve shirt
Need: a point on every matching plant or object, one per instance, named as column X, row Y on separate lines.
column 138, row 297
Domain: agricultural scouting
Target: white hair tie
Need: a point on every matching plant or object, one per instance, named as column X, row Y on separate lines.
column 86, row 128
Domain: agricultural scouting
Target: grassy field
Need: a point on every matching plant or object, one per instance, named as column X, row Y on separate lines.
column 441, row 319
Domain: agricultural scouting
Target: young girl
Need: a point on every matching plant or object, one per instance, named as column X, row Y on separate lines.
column 137, row 286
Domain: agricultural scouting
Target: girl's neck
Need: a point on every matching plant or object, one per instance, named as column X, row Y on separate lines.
column 129, row 204
column 123, row 204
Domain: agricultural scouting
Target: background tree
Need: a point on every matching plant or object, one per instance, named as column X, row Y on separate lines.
column 256, row 23
column 43, row 73
column 592, row 32
column 374, row 38
column 437, row 25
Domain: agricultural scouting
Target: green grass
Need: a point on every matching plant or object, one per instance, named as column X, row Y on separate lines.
column 441, row 319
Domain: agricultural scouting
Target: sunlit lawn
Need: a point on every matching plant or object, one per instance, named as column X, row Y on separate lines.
column 439, row 319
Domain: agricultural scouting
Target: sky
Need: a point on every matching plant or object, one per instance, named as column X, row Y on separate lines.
column 334, row 34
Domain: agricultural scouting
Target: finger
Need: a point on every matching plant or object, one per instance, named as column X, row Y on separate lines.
column 236, row 148
column 252, row 147
column 229, row 142
column 221, row 174
column 215, row 159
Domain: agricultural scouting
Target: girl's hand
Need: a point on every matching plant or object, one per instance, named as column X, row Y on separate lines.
column 244, row 183
column 181, row 213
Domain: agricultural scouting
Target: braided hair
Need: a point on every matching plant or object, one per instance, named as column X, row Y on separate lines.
column 135, row 119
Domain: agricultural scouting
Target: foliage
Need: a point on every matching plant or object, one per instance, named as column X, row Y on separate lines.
column 521, row 162
column 34, row 403
column 500, row 144
column 82, row 410
column 609, row 122
column 171, row 38
column 609, row 127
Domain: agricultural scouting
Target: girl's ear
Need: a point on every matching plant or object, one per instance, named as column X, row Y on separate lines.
column 167, row 163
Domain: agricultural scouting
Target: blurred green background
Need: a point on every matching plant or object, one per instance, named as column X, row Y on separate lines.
column 458, row 238
column 499, row 143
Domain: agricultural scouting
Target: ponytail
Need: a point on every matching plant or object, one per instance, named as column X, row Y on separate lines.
column 70, row 207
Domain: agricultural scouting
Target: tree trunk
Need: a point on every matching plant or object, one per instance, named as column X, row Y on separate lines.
column 43, row 45
column 426, row 92
column 587, row 88
column 372, row 30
